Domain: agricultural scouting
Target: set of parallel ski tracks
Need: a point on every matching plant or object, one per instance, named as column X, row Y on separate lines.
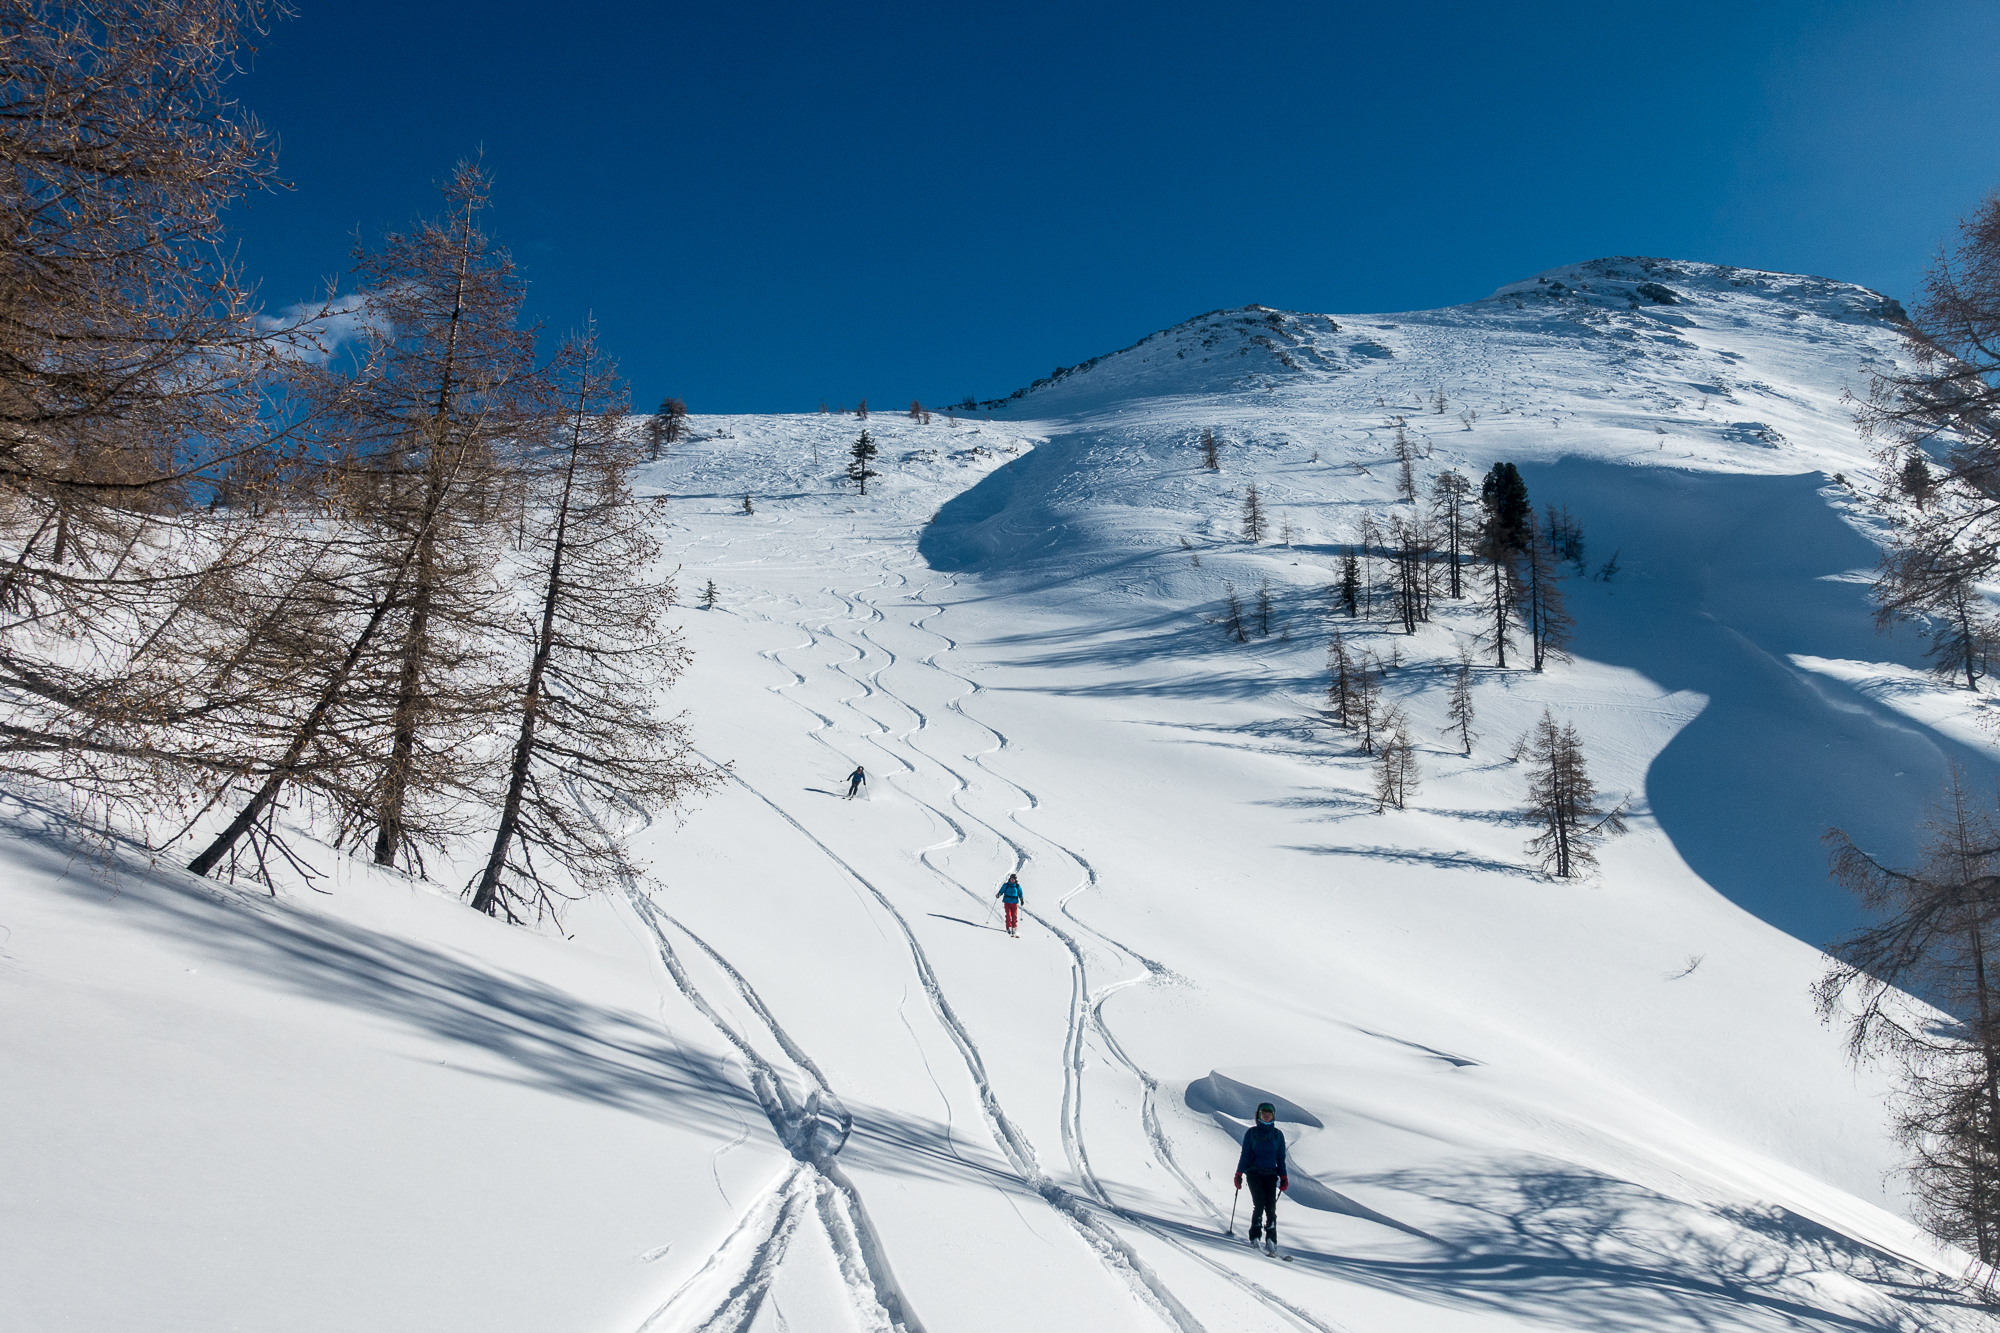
column 726, row 1292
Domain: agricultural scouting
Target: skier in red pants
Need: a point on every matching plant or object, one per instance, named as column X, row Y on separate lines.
column 1012, row 895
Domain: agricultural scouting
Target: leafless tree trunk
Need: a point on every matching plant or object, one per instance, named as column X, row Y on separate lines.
column 428, row 424
column 328, row 682
column 1366, row 709
column 589, row 739
column 1340, row 681
column 1946, row 405
column 1563, row 801
column 1930, row 942
column 1415, row 544
column 1450, row 494
column 1500, row 603
column 1232, row 613
column 1406, row 477
column 1460, row 709
column 1396, row 768
column 1543, row 609
column 134, row 387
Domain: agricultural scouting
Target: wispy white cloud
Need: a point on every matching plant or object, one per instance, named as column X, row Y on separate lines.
column 315, row 330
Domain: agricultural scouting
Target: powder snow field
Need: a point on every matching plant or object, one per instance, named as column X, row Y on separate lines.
column 801, row 1080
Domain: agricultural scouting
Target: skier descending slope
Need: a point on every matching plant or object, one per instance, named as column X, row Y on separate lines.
column 854, row 781
column 1263, row 1161
column 1012, row 895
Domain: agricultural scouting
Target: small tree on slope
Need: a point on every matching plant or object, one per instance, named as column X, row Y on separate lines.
column 1406, row 477
column 1450, row 505
column 1460, row 709
column 1563, row 801
column 1350, row 583
column 1962, row 633
column 1340, row 681
column 1543, row 608
column 858, row 459
column 669, row 423
column 1365, row 710
column 1396, row 770
column 1232, row 613
column 1253, row 515
column 1504, row 497
column 1415, row 544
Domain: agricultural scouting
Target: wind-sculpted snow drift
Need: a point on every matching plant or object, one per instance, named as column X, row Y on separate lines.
column 800, row 1079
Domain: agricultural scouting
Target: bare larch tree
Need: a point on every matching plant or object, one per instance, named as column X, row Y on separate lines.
column 1460, row 709
column 1944, row 406
column 134, row 382
column 1396, row 769
column 1339, row 681
column 1544, row 610
column 1451, row 507
column 1562, row 800
column 590, row 745
column 1917, row 987
column 449, row 392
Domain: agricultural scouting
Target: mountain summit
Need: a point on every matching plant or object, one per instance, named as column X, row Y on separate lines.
column 1647, row 303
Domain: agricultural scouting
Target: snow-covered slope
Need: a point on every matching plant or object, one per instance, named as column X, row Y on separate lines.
column 805, row 1083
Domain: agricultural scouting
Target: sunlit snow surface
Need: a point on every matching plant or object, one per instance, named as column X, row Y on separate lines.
column 803, row 1080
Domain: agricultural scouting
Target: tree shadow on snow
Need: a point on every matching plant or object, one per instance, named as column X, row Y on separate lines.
column 1548, row 1241
column 1415, row 856
column 1545, row 1242
column 540, row 1036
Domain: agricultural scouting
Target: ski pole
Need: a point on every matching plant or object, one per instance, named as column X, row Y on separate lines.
column 1232, row 1211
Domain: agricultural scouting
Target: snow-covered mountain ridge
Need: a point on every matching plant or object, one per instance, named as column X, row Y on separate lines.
column 802, row 1082
column 1628, row 298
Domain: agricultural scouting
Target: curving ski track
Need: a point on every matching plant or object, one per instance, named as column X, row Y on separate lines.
column 848, row 624
column 1087, row 1017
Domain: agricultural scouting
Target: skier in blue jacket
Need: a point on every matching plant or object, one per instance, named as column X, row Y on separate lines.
column 1012, row 895
column 1263, row 1161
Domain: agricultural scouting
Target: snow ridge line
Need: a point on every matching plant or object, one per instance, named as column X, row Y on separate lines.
column 1111, row 1248
column 857, row 1249
column 1081, row 1002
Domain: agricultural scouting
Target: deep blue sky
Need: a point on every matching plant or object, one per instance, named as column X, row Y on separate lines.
column 770, row 205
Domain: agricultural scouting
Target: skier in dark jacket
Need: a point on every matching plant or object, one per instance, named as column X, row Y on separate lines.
column 1012, row 895
column 854, row 781
column 1263, row 1161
